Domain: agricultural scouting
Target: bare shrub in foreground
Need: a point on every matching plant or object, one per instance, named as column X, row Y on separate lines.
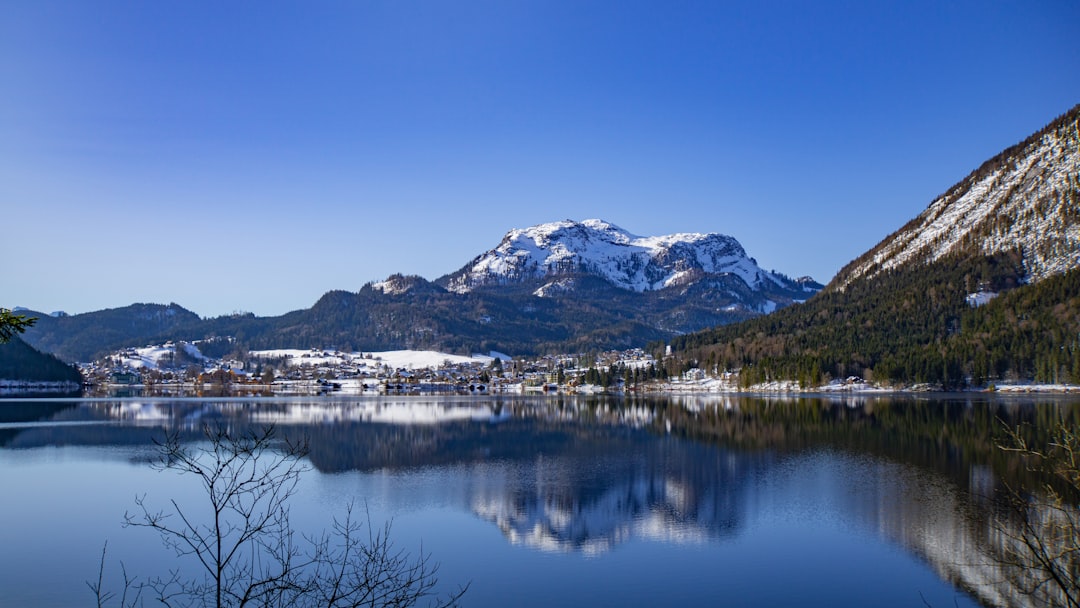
column 246, row 551
column 1042, row 537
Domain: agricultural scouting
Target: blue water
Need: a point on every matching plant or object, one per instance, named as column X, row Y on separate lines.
column 527, row 509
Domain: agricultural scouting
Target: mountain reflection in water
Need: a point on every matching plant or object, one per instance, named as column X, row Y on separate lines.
column 567, row 474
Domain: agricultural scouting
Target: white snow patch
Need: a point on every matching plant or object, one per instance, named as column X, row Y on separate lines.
column 396, row 359
column 1037, row 388
column 150, row 357
column 392, row 286
column 555, row 287
column 980, row 298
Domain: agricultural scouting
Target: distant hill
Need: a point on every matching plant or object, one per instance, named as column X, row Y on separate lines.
column 20, row 362
column 558, row 287
column 79, row 337
column 983, row 286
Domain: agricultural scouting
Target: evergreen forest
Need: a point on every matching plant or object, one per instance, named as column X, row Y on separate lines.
column 19, row 361
column 908, row 326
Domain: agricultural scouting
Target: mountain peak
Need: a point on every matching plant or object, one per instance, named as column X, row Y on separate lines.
column 600, row 248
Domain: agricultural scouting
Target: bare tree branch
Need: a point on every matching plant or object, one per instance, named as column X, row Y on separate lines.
column 103, row 597
column 1042, row 528
column 247, row 553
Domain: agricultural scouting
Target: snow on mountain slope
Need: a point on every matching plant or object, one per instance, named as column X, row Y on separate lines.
column 597, row 247
column 151, row 357
column 1026, row 197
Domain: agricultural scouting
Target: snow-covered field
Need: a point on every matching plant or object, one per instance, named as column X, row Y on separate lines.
column 151, row 357
column 156, row 357
column 396, row 359
column 1037, row 388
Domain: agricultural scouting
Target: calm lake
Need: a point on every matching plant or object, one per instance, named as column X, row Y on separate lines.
column 562, row 501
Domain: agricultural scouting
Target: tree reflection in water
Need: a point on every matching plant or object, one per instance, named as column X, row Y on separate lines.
column 575, row 474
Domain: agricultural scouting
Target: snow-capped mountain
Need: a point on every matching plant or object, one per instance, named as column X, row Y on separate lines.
column 558, row 287
column 1026, row 198
column 553, row 252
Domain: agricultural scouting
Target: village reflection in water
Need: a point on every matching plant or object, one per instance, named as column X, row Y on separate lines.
column 584, row 474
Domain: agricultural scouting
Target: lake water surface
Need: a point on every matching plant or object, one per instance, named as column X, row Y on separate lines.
column 542, row 501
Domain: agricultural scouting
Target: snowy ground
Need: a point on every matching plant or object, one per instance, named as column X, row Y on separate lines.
column 149, row 357
column 396, row 359
column 729, row 384
column 1037, row 388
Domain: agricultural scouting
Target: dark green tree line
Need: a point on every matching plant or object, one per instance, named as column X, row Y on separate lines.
column 912, row 325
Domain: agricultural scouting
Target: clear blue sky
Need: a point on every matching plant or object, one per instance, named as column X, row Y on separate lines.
column 253, row 155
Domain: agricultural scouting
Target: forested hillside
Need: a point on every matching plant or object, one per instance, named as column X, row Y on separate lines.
column 911, row 326
column 420, row 315
column 559, row 287
column 79, row 337
column 18, row 361
column 506, row 319
column 920, row 307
